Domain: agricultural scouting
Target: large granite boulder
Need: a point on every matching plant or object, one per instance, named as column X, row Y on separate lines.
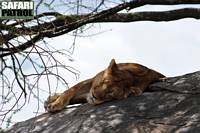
column 168, row 106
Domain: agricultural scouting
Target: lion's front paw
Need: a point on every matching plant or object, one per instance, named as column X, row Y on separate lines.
column 55, row 106
column 50, row 99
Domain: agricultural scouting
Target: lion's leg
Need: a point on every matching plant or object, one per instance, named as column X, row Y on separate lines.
column 137, row 91
column 76, row 94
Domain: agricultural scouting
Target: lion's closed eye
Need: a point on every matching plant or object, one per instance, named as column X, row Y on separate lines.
column 106, row 81
column 104, row 86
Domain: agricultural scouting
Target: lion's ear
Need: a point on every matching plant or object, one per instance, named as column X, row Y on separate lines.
column 113, row 66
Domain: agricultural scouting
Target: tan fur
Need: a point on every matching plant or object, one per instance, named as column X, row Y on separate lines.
column 116, row 82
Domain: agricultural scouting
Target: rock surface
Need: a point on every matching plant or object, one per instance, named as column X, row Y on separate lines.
column 170, row 106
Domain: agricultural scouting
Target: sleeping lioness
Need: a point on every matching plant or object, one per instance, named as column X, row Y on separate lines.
column 116, row 82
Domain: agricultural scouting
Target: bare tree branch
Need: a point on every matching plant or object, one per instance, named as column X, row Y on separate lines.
column 64, row 24
column 156, row 16
column 168, row 2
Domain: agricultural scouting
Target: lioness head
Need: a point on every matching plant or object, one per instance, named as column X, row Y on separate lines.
column 109, row 84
